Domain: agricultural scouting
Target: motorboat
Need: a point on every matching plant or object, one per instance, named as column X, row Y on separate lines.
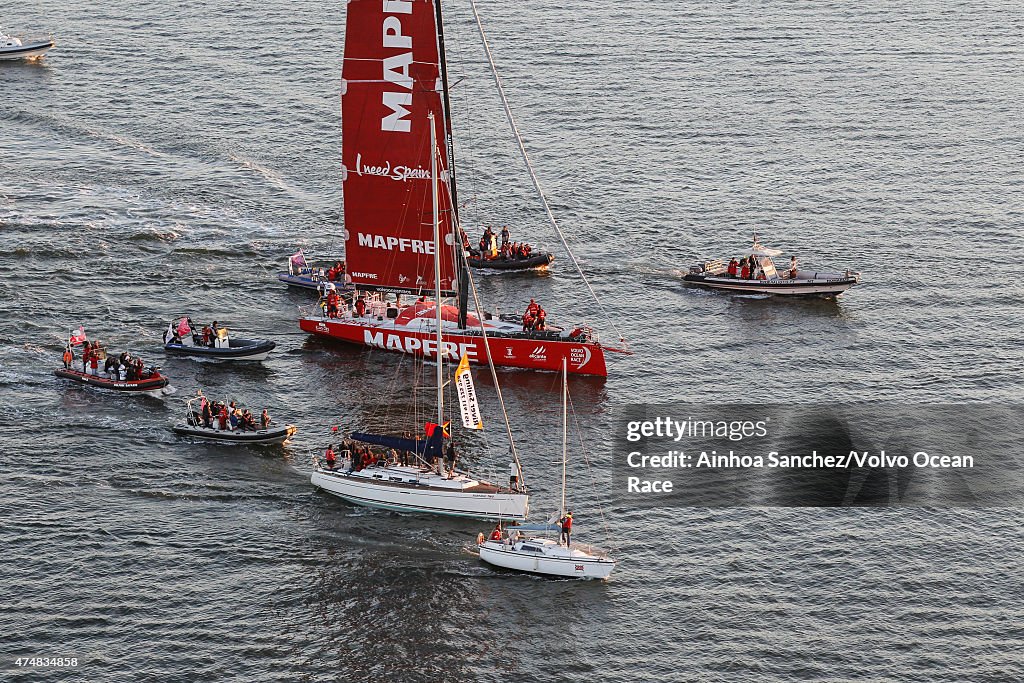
column 313, row 275
column 24, row 47
column 509, row 548
column 428, row 485
column 151, row 382
column 193, row 427
column 757, row 273
column 93, row 367
column 184, row 340
column 535, row 261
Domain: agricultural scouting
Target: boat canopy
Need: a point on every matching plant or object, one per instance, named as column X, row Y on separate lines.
column 760, row 250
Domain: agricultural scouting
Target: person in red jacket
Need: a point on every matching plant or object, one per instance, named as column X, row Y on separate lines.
column 222, row 417
column 360, row 307
column 496, row 534
column 566, row 524
column 333, row 300
column 330, row 458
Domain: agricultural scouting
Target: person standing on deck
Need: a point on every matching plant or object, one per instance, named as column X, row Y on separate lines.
column 566, row 524
column 505, row 236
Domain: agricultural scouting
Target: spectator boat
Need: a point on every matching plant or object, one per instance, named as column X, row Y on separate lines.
column 536, row 261
column 152, row 382
column 183, row 340
column 23, row 47
column 111, row 375
column 193, row 427
column 540, row 555
column 303, row 274
column 765, row 278
column 429, row 485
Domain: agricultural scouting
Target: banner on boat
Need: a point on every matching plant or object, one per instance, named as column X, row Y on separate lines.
column 471, row 418
column 391, row 82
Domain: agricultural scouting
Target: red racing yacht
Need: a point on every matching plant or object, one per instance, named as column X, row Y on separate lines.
column 393, row 80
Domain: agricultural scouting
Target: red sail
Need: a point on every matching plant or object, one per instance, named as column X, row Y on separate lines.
column 390, row 83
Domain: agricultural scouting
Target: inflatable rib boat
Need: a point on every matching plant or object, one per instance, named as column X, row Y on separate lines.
column 270, row 436
column 535, row 262
column 235, row 349
column 154, row 384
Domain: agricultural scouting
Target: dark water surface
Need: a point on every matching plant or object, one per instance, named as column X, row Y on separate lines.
column 166, row 157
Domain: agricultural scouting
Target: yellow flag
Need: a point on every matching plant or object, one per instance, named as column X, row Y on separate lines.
column 471, row 418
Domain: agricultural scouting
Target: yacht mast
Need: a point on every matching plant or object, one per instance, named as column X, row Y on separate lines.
column 565, row 427
column 437, row 281
column 446, row 114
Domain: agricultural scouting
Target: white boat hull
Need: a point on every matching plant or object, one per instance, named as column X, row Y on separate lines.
column 25, row 51
column 553, row 560
column 409, row 497
column 822, row 287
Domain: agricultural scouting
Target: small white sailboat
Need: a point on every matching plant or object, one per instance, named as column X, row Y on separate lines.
column 429, row 488
column 23, row 47
column 540, row 555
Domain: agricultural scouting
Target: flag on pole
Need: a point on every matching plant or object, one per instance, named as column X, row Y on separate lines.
column 471, row 418
column 431, row 427
column 78, row 336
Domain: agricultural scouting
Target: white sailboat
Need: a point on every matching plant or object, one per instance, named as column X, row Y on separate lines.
column 431, row 487
column 541, row 555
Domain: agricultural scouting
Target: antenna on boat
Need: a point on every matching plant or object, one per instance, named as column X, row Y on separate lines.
column 437, row 288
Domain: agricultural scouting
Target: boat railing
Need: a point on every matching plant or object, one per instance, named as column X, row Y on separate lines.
column 28, row 39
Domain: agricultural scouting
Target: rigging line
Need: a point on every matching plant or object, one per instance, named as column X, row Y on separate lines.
column 494, row 375
column 590, row 472
column 533, row 174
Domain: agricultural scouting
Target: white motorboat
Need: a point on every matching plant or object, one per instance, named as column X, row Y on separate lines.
column 432, row 487
column 757, row 274
column 23, row 47
column 508, row 548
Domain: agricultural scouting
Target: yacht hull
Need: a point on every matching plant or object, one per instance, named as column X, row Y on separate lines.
column 575, row 564
column 535, row 351
column 424, row 500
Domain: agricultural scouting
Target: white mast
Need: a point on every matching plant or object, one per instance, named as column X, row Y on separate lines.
column 437, row 280
column 565, row 426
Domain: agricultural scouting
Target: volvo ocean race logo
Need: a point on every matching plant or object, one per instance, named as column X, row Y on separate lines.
column 427, row 347
column 579, row 356
column 539, row 353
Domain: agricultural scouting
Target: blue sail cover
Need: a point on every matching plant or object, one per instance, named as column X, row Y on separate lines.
column 421, row 447
column 536, row 526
